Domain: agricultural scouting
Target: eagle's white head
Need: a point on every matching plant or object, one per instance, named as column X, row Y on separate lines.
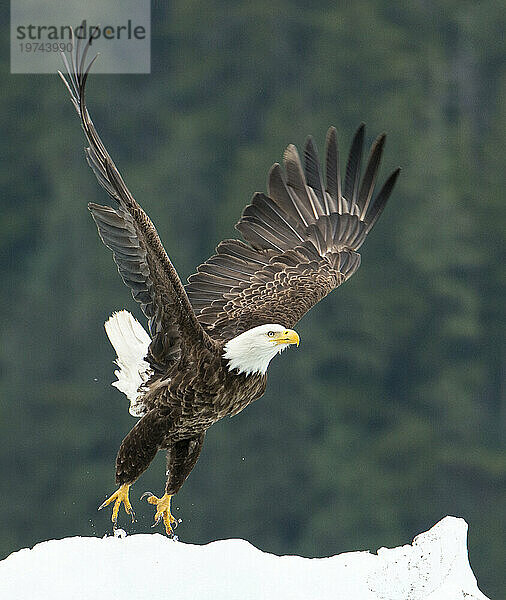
column 252, row 351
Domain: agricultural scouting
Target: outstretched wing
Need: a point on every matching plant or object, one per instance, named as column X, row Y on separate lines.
column 137, row 250
column 303, row 241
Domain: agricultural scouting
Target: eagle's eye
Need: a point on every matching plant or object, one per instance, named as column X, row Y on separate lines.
column 271, row 334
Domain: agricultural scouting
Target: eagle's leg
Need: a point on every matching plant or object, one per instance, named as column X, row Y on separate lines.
column 163, row 511
column 135, row 454
column 181, row 458
column 119, row 496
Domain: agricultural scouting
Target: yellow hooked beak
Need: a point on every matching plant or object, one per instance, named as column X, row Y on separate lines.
column 289, row 336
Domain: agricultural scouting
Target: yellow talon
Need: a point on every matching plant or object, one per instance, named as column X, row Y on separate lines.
column 163, row 512
column 119, row 496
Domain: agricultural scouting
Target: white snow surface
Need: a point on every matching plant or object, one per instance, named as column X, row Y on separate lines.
column 434, row 567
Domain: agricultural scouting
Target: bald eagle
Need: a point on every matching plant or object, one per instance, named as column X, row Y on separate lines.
column 210, row 341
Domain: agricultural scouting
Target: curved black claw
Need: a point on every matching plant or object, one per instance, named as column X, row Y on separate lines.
column 143, row 495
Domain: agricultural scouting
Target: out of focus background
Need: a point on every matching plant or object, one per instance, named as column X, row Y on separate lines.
column 392, row 413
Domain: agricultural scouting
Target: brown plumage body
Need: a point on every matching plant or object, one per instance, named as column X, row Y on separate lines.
column 302, row 242
column 180, row 406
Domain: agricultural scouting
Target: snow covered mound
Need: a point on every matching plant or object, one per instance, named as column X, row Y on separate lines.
column 140, row 566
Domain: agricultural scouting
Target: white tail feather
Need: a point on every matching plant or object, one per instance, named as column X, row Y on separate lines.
column 131, row 341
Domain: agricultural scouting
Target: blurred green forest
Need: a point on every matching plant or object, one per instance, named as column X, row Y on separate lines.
column 392, row 413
